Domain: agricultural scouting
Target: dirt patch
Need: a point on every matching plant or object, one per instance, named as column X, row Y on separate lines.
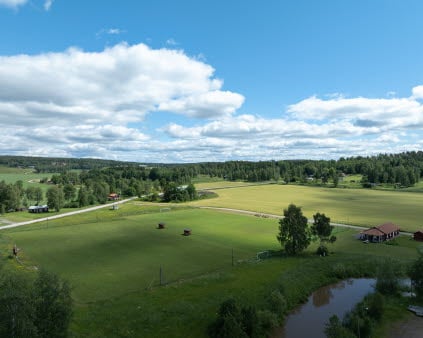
column 410, row 328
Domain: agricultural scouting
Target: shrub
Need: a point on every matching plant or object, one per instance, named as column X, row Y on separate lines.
column 322, row 250
column 388, row 277
column 277, row 303
column 267, row 320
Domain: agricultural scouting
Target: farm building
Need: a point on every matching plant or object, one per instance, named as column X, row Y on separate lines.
column 380, row 233
column 418, row 236
column 38, row 208
column 113, row 197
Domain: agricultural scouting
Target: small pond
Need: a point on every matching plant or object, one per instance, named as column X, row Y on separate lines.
column 336, row 299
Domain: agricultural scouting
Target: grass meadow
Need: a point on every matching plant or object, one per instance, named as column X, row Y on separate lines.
column 352, row 206
column 113, row 258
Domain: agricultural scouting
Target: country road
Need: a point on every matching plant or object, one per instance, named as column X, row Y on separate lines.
column 15, row 225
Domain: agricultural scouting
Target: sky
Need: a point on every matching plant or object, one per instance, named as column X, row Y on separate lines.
column 210, row 80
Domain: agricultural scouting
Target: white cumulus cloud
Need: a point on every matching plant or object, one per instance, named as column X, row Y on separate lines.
column 13, row 3
column 76, row 101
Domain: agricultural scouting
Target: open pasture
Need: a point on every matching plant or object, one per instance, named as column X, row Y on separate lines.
column 352, row 206
column 112, row 257
column 27, row 176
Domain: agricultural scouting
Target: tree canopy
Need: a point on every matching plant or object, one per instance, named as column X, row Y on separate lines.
column 294, row 234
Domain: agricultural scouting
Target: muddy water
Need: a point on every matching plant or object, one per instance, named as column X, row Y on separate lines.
column 310, row 318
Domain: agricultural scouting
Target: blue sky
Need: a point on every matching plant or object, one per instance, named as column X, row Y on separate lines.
column 191, row 81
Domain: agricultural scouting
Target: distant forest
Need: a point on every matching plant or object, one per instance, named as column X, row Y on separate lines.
column 80, row 182
column 404, row 169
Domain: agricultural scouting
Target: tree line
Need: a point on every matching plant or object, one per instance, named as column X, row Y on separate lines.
column 75, row 189
column 404, row 169
column 92, row 186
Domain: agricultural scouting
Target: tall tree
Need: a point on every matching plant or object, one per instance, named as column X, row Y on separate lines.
column 53, row 305
column 55, row 198
column 69, row 191
column 294, row 234
column 17, row 313
column 322, row 229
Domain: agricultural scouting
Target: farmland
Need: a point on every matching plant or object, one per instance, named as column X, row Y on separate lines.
column 113, row 258
column 352, row 206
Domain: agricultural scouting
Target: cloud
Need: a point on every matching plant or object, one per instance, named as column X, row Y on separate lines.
column 121, row 84
column 133, row 102
column 76, row 100
column 13, row 3
column 313, row 128
column 418, row 92
column 114, row 31
column 171, row 42
column 110, row 31
column 385, row 113
column 47, row 4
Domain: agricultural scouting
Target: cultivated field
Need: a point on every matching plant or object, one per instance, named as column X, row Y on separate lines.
column 353, row 206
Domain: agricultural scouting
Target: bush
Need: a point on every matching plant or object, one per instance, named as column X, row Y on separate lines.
column 277, row 303
column 416, row 274
column 375, row 305
column 335, row 329
column 234, row 321
column 267, row 320
column 322, row 250
column 387, row 274
column 339, row 271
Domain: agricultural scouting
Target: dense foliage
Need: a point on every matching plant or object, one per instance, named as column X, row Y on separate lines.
column 294, row 234
column 42, row 308
column 96, row 179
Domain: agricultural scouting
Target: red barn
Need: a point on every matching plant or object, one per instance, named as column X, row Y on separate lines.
column 113, row 197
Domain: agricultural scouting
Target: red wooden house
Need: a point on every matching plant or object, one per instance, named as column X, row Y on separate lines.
column 383, row 232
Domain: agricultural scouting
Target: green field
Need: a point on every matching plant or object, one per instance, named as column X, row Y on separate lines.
column 113, row 259
column 352, row 206
column 133, row 249
column 27, row 176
